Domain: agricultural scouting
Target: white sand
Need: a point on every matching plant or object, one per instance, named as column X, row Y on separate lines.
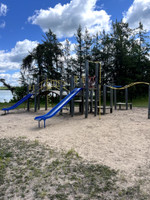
column 120, row 140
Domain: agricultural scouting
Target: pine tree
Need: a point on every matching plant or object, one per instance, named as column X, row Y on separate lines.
column 67, row 59
column 52, row 55
column 120, row 46
column 142, row 48
column 87, row 45
column 79, row 49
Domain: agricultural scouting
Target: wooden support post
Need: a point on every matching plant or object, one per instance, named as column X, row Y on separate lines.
column 111, row 100
column 115, row 99
column 86, row 88
column 126, row 98
column 149, row 102
column 72, row 100
column 96, row 89
column 28, row 101
column 104, row 99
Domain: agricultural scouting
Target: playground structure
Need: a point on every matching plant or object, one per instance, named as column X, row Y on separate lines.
column 88, row 90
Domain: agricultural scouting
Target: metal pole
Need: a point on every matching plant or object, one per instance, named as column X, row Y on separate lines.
column 104, row 99
column 96, row 89
column 99, row 90
column 86, row 88
column 91, row 100
column 35, row 99
column 72, row 100
column 61, row 92
column 126, row 98
column 38, row 88
column 149, row 102
column 111, row 100
column 28, row 101
column 46, row 96
column 82, row 97
column 115, row 98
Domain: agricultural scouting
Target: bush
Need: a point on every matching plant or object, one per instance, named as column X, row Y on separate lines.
column 19, row 93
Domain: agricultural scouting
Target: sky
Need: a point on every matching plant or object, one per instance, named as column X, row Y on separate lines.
column 23, row 24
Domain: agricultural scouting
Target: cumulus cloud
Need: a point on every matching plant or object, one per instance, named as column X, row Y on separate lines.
column 65, row 19
column 2, row 24
column 3, row 9
column 72, row 45
column 11, row 79
column 11, row 60
column 139, row 11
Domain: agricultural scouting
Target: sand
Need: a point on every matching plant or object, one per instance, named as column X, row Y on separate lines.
column 120, row 140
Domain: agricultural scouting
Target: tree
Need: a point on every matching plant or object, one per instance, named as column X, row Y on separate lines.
column 44, row 60
column 141, row 53
column 106, row 57
column 139, row 59
column 102, row 52
column 121, row 47
column 52, row 55
column 79, row 49
column 96, row 50
column 67, row 59
column 34, row 62
column 87, row 45
column 11, row 88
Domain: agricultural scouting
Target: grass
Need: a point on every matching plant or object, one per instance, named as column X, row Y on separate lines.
column 24, row 104
column 32, row 171
column 3, row 88
column 140, row 102
column 5, row 105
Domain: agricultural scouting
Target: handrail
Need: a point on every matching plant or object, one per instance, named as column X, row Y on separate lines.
column 127, row 86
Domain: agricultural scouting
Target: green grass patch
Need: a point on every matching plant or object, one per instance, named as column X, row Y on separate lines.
column 140, row 102
column 3, row 88
column 34, row 171
column 6, row 105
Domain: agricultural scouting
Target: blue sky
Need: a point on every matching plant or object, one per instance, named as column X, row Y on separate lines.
column 23, row 22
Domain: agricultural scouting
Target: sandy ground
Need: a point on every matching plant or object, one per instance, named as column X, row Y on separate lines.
column 120, row 140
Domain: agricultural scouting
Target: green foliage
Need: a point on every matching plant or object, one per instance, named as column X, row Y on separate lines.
column 19, row 93
column 3, row 88
column 140, row 101
column 79, row 49
column 123, row 53
column 44, row 60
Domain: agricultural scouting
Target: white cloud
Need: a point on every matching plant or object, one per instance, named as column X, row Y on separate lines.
column 3, row 9
column 11, row 79
column 139, row 11
column 72, row 45
column 65, row 19
column 2, row 24
column 12, row 60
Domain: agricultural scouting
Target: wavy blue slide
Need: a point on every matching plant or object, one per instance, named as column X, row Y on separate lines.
column 58, row 107
column 18, row 103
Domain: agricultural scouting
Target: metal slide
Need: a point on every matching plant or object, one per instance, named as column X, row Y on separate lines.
column 18, row 103
column 58, row 107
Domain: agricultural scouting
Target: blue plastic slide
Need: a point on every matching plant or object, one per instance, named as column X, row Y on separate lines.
column 18, row 103
column 58, row 107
